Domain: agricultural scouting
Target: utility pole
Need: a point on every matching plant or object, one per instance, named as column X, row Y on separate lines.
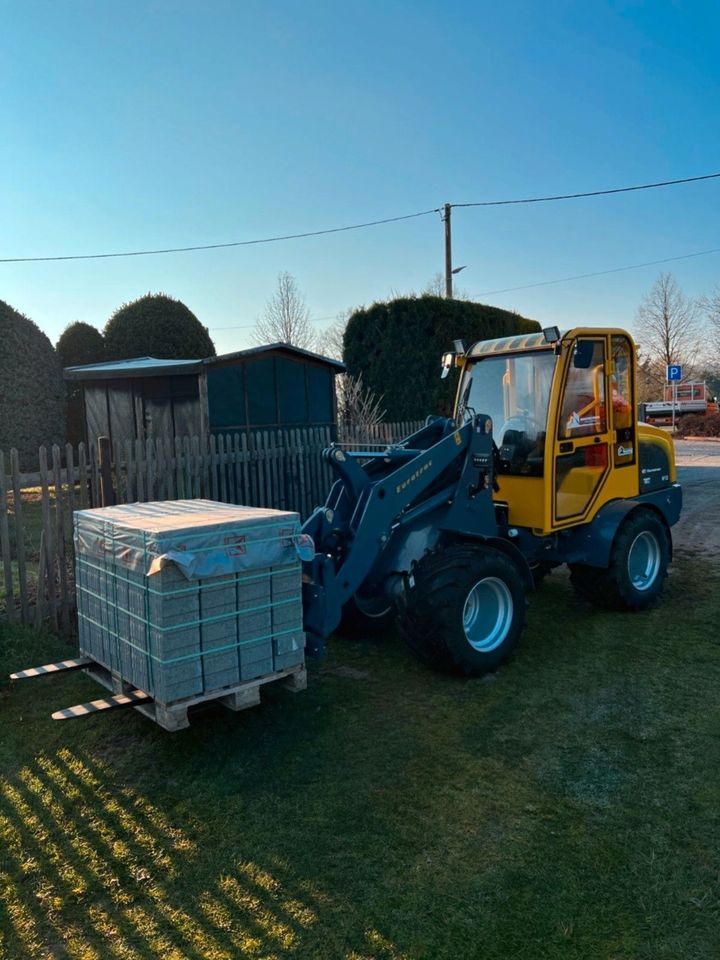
column 447, row 209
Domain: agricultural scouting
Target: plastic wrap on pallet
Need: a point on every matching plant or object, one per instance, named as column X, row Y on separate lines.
column 182, row 598
column 203, row 538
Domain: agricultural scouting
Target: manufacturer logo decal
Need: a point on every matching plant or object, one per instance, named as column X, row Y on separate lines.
column 413, row 477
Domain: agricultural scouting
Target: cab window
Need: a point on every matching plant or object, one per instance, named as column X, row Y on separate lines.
column 583, row 409
column 514, row 391
column 622, row 402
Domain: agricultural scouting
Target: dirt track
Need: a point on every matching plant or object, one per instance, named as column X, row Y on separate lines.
column 698, row 532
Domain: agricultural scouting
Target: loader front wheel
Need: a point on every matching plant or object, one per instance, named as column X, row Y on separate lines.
column 464, row 609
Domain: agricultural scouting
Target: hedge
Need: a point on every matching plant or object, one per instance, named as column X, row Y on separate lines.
column 156, row 325
column 32, row 392
column 396, row 345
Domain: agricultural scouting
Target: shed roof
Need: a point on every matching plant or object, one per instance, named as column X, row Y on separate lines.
column 135, row 367
column 154, row 367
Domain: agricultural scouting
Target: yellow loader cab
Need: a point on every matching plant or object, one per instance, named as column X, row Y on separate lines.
column 565, row 424
column 575, row 471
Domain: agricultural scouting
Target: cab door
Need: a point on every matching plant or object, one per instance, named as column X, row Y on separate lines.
column 583, row 432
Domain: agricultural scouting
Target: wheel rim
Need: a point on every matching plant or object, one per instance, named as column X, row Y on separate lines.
column 487, row 614
column 644, row 560
column 375, row 608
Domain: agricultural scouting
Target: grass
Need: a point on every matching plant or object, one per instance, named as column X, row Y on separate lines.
column 566, row 807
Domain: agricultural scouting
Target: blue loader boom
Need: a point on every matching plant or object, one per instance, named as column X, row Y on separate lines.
column 389, row 507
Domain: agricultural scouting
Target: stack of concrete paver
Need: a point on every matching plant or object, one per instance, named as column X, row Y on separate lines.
column 184, row 598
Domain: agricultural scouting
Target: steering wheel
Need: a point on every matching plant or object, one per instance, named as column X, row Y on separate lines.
column 522, row 423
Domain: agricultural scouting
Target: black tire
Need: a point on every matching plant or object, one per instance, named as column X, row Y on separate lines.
column 638, row 566
column 363, row 619
column 450, row 587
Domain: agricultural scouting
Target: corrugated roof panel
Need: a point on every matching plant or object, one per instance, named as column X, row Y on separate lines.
column 528, row 341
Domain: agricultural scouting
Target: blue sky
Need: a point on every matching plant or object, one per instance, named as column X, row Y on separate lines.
column 135, row 125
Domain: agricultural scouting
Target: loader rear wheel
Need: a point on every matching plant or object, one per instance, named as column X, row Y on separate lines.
column 464, row 610
column 638, row 566
column 365, row 617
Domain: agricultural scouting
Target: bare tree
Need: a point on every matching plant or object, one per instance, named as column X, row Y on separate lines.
column 669, row 328
column 435, row 287
column 711, row 308
column 330, row 340
column 649, row 380
column 359, row 408
column 286, row 318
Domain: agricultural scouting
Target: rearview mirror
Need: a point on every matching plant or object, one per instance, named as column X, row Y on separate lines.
column 583, row 356
column 448, row 361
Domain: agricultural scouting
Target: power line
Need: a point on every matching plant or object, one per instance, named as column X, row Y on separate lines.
column 592, row 193
column 599, row 273
column 354, row 226
column 220, row 246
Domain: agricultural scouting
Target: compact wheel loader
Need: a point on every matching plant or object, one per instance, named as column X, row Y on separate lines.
column 543, row 463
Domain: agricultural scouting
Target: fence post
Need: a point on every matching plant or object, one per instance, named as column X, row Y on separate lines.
column 48, row 570
column 19, row 534
column 60, row 537
column 107, row 494
column 5, row 544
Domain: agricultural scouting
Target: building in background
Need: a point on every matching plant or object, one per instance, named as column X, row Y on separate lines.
column 264, row 388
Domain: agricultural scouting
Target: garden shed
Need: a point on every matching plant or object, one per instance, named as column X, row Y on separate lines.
column 263, row 388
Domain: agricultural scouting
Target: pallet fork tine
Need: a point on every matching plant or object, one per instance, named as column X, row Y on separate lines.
column 64, row 666
column 121, row 701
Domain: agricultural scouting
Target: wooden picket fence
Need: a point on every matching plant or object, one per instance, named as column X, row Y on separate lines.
column 283, row 469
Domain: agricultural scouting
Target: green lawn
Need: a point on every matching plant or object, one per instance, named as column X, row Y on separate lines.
column 568, row 807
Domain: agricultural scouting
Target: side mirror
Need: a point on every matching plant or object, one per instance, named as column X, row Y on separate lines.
column 448, row 361
column 583, row 355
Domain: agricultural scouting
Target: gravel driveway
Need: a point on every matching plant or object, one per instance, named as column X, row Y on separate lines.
column 698, row 532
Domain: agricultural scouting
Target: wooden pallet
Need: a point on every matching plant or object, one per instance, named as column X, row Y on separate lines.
column 174, row 716
column 170, row 716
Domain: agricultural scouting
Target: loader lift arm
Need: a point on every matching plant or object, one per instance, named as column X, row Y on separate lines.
column 378, row 497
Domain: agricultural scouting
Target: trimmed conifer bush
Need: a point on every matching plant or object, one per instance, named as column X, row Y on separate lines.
column 396, row 346
column 32, row 393
column 156, row 325
column 79, row 343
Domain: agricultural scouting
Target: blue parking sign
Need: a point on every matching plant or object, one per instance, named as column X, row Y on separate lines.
column 674, row 372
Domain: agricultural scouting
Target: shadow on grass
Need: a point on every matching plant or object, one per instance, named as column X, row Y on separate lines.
column 92, row 868
column 564, row 808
